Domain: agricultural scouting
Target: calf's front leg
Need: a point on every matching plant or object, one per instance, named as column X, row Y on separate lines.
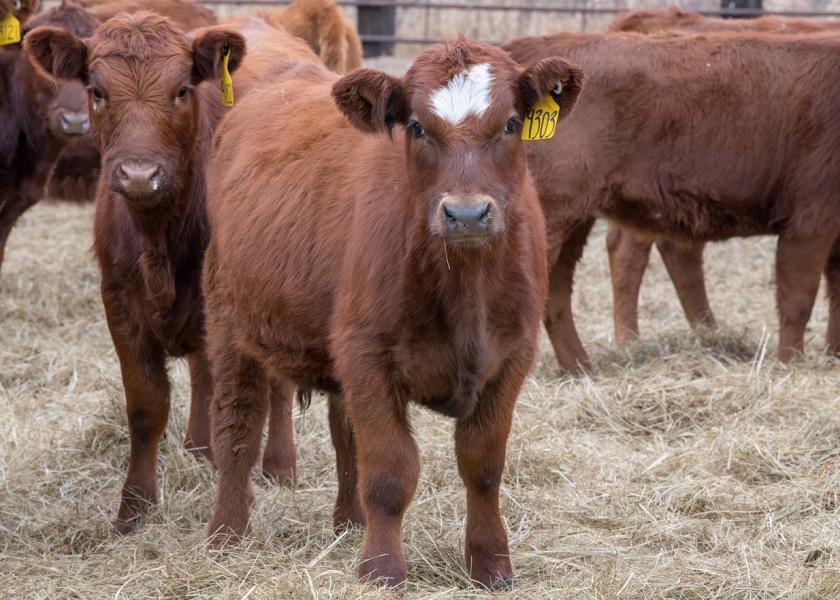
column 280, row 456
column 480, row 445
column 629, row 257
column 389, row 468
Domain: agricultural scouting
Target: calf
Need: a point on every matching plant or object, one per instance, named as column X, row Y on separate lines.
column 656, row 20
column 328, row 33
column 185, row 13
column 628, row 252
column 37, row 118
column 409, row 270
column 154, row 103
column 666, row 144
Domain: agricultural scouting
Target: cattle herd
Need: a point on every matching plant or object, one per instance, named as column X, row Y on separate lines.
column 388, row 240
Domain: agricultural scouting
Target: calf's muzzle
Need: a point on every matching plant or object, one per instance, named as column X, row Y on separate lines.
column 74, row 123
column 467, row 217
column 137, row 179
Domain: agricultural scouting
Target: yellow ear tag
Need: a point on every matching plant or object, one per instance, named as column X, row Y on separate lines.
column 9, row 30
column 227, row 82
column 541, row 120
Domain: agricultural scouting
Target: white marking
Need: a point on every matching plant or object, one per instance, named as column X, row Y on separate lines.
column 468, row 93
column 558, row 89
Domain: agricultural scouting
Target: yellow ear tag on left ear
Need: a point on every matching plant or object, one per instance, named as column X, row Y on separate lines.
column 541, row 121
column 9, row 30
column 227, row 82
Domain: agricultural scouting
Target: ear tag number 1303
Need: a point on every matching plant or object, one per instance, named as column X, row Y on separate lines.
column 9, row 30
column 541, row 120
column 227, row 82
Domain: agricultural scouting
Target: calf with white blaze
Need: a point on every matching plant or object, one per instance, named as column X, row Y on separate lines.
column 411, row 269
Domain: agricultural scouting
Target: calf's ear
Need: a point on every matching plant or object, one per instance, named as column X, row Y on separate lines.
column 209, row 47
column 551, row 76
column 371, row 100
column 56, row 53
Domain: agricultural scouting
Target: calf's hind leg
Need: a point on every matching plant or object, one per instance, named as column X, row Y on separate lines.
column 832, row 276
column 197, row 439
column 240, row 402
column 684, row 262
column 280, row 457
column 348, row 510
column 143, row 367
column 628, row 261
column 559, row 322
column 799, row 262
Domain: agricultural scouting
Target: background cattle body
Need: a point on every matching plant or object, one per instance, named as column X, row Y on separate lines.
column 34, row 114
column 328, row 33
column 332, row 268
column 628, row 252
column 664, row 144
column 150, row 228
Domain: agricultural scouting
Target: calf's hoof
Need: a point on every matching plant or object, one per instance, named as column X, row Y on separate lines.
column 492, row 571
column 384, row 570
column 348, row 515
column 134, row 503
column 280, row 471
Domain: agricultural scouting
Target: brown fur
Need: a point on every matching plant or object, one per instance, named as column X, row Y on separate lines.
column 185, row 13
column 150, row 245
column 667, row 143
column 684, row 261
column 29, row 108
column 321, row 24
column 658, row 20
column 332, row 268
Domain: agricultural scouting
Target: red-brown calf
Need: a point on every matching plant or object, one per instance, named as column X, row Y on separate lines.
column 154, row 103
column 670, row 142
column 628, row 251
column 411, row 269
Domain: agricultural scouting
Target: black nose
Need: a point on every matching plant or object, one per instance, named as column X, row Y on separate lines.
column 470, row 219
column 138, row 178
column 74, row 123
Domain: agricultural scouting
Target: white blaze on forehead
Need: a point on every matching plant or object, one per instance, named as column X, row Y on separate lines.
column 468, row 93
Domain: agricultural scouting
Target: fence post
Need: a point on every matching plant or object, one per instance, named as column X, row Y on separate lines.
column 735, row 4
column 377, row 19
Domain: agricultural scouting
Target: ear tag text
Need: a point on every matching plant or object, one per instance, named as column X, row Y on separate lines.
column 541, row 120
column 227, row 82
column 9, row 30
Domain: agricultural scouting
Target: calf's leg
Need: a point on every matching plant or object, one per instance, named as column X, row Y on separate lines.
column 480, row 443
column 832, row 276
column 799, row 262
column 389, row 468
column 197, row 439
column 348, row 510
column 628, row 260
column 143, row 367
column 240, row 403
column 280, row 457
column 684, row 261
column 559, row 322
column 10, row 212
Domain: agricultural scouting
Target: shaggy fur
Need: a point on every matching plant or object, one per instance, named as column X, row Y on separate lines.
column 332, row 268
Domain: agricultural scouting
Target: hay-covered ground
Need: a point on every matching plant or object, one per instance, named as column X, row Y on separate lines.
column 685, row 468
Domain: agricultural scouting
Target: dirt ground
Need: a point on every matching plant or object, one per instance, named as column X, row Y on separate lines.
column 686, row 467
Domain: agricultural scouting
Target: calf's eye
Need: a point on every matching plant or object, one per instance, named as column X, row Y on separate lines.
column 182, row 92
column 510, row 126
column 417, row 130
column 97, row 94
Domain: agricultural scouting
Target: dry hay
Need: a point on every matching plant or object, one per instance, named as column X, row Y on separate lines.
column 687, row 467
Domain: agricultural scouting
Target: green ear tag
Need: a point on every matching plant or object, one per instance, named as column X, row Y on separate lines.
column 9, row 30
column 541, row 120
column 227, row 82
